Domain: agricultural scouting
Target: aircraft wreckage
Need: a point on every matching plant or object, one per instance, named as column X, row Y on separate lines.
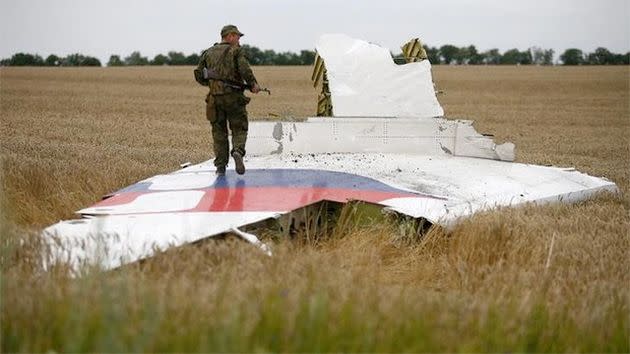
column 382, row 140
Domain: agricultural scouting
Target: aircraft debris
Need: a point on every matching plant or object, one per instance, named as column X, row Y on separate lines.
column 385, row 143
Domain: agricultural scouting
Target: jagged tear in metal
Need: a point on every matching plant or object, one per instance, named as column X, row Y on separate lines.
column 364, row 81
column 387, row 144
column 324, row 104
column 414, row 51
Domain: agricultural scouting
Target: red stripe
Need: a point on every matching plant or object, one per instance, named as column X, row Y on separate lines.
column 282, row 198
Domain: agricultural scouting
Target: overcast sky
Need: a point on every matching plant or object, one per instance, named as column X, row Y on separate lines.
column 103, row 27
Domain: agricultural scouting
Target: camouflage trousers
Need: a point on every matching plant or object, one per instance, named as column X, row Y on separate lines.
column 223, row 111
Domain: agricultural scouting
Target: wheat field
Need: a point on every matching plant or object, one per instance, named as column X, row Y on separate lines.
column 535, row 279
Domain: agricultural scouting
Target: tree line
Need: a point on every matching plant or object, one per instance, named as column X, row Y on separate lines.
column 450, row 54
column 446, row 54
column 25, row 59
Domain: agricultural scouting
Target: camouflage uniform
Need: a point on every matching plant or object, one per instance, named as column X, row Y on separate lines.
column 225, row 104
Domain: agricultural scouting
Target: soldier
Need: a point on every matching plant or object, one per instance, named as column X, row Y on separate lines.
column 226, row 104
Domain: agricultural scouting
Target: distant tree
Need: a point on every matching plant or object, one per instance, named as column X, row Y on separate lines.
column 73, row 60
column 286, row 58
column 433, row 54
column 511, row 57
column 253, row 54
column 192, row 59
column 90, row 61
column 24, row 59
column 540, row 56
column 448, row 53
column 572, row 56
column 176, row 58
column 525, row 58
column 620, row 59
column 474, row 57
column 52, row 60
column 491, row 57
column 537, row 54
column 307, row 57
column 462, row 56
column 269, row 57
column 159, row 59
column 136, row 58
column 280, row 59
column 514, row 56
column 78, row 59
column 468, row 55
column 114, row 60
column 548, row 57
column 601, row 56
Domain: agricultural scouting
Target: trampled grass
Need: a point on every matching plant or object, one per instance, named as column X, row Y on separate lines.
column 551, row 278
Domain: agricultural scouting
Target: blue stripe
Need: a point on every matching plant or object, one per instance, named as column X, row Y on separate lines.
column 289, row 178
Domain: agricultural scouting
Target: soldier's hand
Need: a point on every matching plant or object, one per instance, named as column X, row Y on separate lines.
column 255, row 88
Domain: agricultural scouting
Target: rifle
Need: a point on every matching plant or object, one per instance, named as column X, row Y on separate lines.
column 209, row 74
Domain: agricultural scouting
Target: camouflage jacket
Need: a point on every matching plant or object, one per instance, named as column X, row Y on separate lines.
column 230, row 63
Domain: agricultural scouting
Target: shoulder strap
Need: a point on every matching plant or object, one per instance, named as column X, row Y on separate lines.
column 236, row 61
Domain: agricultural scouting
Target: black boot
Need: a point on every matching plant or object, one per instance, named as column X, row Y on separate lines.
column 238, row 161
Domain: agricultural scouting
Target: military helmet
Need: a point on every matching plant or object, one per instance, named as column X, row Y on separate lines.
column 227, row 29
